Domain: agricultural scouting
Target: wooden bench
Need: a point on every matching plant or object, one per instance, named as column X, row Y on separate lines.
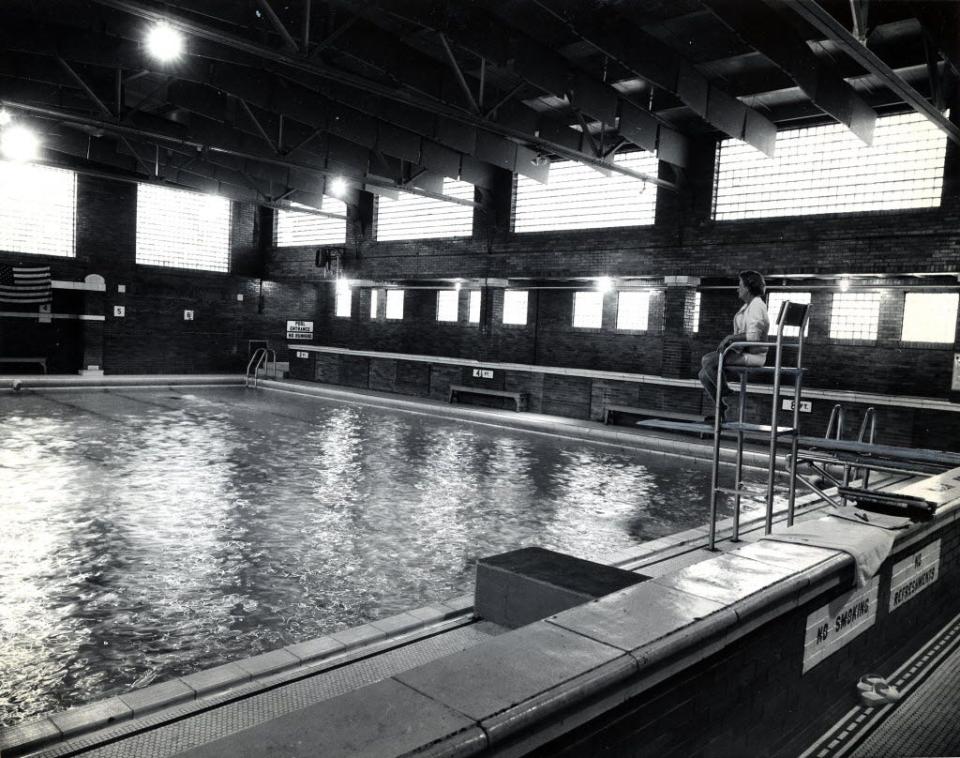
column 519, row 398
column 42, row 362
column 630, row 410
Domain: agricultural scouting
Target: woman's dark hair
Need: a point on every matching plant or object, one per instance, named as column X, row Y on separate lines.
column 754, row 282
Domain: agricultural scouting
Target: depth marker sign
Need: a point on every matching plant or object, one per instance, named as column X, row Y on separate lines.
column 914, row 574
column 834, row 625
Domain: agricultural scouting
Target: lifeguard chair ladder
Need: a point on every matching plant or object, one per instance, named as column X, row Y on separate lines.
column 791, row 315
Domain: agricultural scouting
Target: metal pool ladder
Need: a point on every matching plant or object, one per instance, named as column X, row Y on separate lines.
column 791, row 315
column 259, row 359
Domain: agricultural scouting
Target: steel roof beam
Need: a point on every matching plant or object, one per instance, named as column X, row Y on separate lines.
column 278, row 25
column 431, row 105
column 817, row 16
column 762, row 28
column 657, row 63
column 192, row 142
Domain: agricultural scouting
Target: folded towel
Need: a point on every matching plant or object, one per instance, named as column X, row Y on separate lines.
column 868, row 543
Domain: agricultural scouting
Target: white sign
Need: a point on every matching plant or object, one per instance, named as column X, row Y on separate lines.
column 302, row 354
column 805, row 405
column 299, row 330
column 483, row 373
column 834, row 625
column 119, row 311
column 955, row 386
column 188, row 315
column 914, row 574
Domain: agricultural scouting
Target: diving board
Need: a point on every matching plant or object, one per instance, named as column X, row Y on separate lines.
column 873, row 450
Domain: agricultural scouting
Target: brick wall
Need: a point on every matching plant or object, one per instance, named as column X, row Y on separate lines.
column 153, row 336
column 684, row 242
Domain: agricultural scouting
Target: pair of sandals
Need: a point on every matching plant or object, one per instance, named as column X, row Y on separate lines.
column 876, row 691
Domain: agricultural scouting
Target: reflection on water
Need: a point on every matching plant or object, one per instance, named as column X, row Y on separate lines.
column 145, row 536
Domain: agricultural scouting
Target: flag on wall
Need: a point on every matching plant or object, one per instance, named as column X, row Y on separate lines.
column 25, row 284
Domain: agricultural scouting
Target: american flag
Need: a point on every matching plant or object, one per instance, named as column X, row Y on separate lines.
column 25, row 284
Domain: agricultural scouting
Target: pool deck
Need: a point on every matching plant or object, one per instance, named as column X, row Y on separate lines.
column 439, row 681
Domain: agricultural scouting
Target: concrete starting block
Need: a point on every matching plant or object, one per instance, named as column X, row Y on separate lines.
column 517, row 588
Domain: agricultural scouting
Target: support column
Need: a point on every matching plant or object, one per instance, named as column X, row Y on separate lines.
column 91, row 332
column 678, row 307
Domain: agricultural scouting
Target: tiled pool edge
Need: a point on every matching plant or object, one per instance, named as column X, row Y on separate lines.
column 263, row 668
column 270, row 668
column 27, row 382
column 275, row 667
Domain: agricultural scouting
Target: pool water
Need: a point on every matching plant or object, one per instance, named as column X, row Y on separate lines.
column 148, row 534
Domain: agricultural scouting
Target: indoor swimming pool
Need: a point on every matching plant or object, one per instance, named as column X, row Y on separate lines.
column 149, row 534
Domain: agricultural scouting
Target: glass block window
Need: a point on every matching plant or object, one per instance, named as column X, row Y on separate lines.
column 855, row 316
column 395, row 304
column 38, row 209
column 475, row 296
column 515, row 306
column 412, row 217
column 695, row 316
column 344, row 301
column 579, row 197
column 930, row 317
column 182, row 229
column 447, row 301
column 826, row 169
column 633, row 310
column 777, row 299
column 587, row 310
column 293, row 228
column 374, row 297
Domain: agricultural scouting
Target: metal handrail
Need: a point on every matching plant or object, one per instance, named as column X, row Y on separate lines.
column 836, row 418
column 260, row 357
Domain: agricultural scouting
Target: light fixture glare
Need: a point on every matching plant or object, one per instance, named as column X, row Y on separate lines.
column 604, row 284
column 164, row 42
column 18, row 143
column 338, row 186
column 5, row 117
column 844, row 284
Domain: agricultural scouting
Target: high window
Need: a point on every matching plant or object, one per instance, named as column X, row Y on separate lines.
column 447, row 305
column 775, row 300
column 826, row 169
column 580, row 197
column 38, row 209
column 930, row 317
column 855, row 316
column 587, row 310
column 299, row 228
column 417, row 217
column 344, row 301
column 395, row 304
column 515, row 307
column 475, row 296
column 694, row 325
column 374, row 297
column 633, row 310
column 182, row 229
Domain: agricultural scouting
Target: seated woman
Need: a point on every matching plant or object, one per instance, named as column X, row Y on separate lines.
column 749, row 325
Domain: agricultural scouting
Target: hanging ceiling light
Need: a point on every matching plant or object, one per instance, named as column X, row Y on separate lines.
column 18, row 143
column 165, row 43
column 338, row 186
